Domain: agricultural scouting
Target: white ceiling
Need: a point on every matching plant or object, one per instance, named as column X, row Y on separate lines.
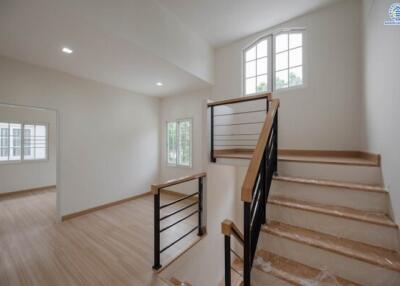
column 223, row 21
column 35, row 32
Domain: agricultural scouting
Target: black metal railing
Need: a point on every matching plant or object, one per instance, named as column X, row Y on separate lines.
column 157, row 190
column 234, row 139
column 255, row 203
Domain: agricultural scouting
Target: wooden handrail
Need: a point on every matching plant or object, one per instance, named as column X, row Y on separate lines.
column 229, row 228
column 252, row 171
column 156, row 187
column 240, row 99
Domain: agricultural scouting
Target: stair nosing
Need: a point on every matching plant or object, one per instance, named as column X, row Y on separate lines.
column 316, row 161
column 310, row 208
column 327, row 248
column 332, row 184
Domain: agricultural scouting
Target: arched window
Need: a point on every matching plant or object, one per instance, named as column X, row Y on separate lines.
column 257, row 67
column 275, row 67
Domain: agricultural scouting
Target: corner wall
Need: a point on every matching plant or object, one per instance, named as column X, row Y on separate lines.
column 109, row 137
column 325, row 114
column 381, row 97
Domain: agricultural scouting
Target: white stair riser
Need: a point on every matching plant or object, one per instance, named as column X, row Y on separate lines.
column 373, row 234
column 362, row 200
column 346, row 267
column 259, row 278
column 333, row 172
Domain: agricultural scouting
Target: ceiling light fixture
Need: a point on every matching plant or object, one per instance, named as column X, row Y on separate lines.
column 67, row 50
column 159, row 84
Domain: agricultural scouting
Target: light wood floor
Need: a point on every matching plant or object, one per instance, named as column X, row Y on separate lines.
column 113, row 246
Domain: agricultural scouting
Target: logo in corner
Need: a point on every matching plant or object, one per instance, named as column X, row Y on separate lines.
column 394, row 14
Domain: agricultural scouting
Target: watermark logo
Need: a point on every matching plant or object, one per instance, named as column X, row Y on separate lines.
column 394, row 14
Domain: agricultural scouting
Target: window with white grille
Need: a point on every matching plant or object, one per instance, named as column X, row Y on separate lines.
column 179, row 143
column 271, row 67
column 15, row 145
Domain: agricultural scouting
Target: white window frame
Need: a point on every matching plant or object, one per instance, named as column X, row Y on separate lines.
column 177, row 165
column 271, row 61
column 303, row 65
column 269, row 68
column 22, row 159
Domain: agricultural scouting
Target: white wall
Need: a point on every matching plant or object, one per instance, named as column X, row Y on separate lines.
column 325, row 114
column 189, row 105
column 18, row 176
column 109, row 137
column 382, row 94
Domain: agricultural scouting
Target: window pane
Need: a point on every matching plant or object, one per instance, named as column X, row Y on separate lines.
column 15, row 142
column 251, row 54
column 251, row 69
column 4, row 141
column 262, row 49
column 296, row 57
column 281, row 79
column 262, row 83
column 281, row 43
column 40, row 153
column 184, row 157
column 296, row 76
column 262, row 66
column 281, row 61
column 171, row 143
column 250, row 85
column 29, row 135
column 295, row 40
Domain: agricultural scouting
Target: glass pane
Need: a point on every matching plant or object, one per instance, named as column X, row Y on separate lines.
column 251, row 54
column 262, row 66
column 171, row 143
column 250, row 85
column 296, row 76
column 281, row 79
column 4, row 141
column 295, row 40
column 184, row 157
column 281, row 61
column 251, row 69
column 15, row 141
column 29, row 145
column 281, row 43
column 40, row 153
column 262, row 49
column 262, row 83
column 296, row 57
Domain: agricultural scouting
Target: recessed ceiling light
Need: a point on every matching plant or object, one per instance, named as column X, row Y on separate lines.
column 67, row 50
column 159, row 84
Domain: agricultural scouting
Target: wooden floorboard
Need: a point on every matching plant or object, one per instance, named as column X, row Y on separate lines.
column 112, row 246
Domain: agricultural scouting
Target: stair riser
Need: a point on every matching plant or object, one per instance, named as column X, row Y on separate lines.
column 333, row 172
column 378, row 235
column 368, row 201
column 349, row 268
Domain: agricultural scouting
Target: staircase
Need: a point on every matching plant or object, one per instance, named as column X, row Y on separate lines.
column 328, row 218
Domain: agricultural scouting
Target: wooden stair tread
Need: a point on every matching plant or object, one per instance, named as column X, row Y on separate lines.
column 328, row 160
column 236, row 155
column 386, row 258
column 339, row 211
column 293, row 272
column 337, row 184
